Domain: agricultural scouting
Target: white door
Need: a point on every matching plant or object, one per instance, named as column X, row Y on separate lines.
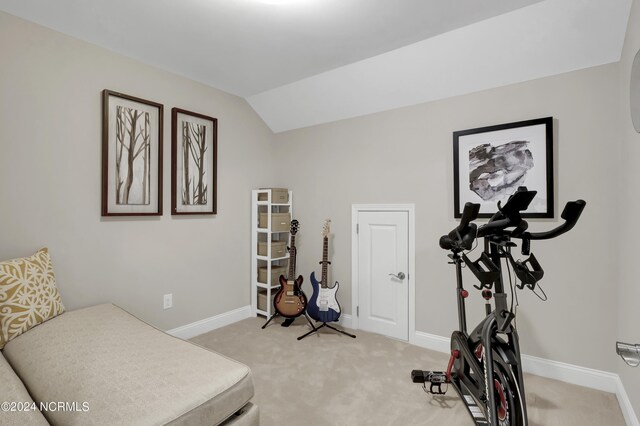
column 383, row 278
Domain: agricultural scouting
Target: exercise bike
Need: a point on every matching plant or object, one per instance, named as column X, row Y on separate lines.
column 485, row 367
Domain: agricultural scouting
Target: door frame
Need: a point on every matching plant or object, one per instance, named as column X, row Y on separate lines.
column 411, row 273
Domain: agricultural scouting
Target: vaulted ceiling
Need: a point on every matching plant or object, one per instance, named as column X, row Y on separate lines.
column 305, row 62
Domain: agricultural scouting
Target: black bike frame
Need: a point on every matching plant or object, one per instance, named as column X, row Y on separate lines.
column 486, row 333
column 495, row 336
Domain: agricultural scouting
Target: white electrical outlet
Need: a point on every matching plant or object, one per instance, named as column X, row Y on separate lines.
column 168, row 301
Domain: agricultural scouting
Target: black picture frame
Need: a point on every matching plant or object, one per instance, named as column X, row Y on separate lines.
column 489, row 163
column 129, row 189
column 194, row 175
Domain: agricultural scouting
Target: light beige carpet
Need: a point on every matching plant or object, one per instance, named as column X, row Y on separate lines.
column 331, row 379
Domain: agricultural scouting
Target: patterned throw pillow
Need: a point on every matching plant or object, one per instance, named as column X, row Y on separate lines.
column 28, row 294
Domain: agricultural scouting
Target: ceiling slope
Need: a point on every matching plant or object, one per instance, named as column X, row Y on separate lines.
column 248, row 46
column 547, row 38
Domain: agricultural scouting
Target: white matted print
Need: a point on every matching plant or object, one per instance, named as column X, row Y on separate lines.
column 193, row 163
column 131, row 155
column 490, row 163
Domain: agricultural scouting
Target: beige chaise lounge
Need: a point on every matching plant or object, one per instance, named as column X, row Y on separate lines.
column 110, row 368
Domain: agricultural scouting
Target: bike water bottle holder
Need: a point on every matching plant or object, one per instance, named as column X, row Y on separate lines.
column 529, row 271
column 484, row 269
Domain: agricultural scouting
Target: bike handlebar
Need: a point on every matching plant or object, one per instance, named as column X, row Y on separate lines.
column 507, row 216
column 469, row 214
column 462, row 236
column 570, row 214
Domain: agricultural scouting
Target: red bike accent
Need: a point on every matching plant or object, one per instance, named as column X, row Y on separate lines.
column 455, row 354
column 479, row 350
column 502, row 409
column 486, row 294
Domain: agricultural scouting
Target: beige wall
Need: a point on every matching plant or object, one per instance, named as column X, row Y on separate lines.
column 405, row 156
column 50, row 88
column 50, row 139
column 629, row 231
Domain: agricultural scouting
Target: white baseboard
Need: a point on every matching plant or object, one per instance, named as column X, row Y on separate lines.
column 431, row 341
column 208, row 324
column 199, row 327
column 625, row 405
column 569, row 373
column 345, row 320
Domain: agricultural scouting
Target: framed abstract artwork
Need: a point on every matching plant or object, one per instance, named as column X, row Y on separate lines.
column 131, row 156
column 194, row 143
column 490, row 163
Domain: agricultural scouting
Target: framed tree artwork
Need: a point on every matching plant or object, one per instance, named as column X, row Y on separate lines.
column 490, row 163
column 131, row 156
column 194, row 143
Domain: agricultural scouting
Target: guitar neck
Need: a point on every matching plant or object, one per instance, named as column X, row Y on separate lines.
column 292, row 259
column 325, row 261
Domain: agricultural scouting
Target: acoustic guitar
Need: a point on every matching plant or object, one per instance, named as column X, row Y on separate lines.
column 290, row 301
column 323, row 305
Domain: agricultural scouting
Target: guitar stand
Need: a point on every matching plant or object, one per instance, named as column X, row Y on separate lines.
column 287, row 322
column 324, row 324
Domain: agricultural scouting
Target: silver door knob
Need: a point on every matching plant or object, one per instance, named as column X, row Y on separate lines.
column 400, row 275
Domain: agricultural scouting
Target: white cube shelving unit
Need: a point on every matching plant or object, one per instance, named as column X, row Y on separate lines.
column 266, row 235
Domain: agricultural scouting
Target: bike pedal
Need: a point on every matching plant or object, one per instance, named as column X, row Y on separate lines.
column 435, row 378
column 436, row 389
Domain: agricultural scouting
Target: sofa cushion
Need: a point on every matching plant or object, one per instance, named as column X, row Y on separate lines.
column 126, row 371
column 28, row 294
column 22, row 410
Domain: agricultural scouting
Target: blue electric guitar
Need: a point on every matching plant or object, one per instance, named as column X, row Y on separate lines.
column 323, row 305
